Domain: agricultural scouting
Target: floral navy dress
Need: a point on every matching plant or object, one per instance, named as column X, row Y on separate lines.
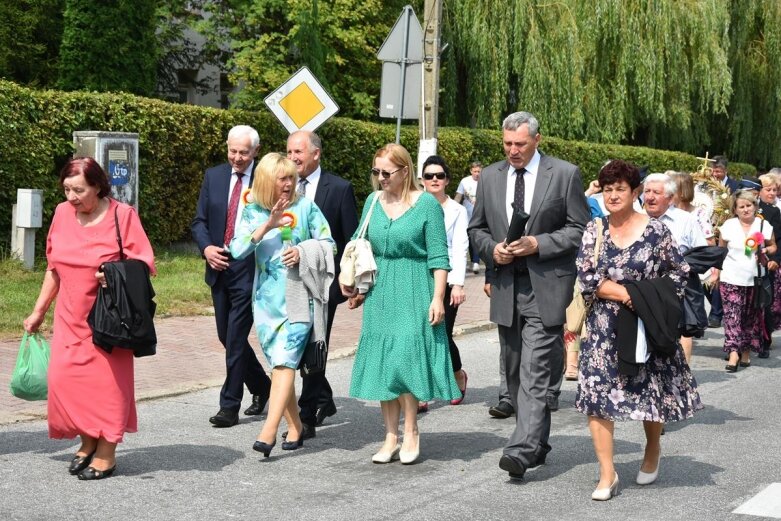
column 282, row 341
column 664, row 390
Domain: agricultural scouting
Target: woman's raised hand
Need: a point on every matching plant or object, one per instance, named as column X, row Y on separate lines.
column 279, row 208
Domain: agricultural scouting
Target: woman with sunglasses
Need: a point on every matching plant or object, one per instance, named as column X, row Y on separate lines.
column 402, row 355
column 436, row 177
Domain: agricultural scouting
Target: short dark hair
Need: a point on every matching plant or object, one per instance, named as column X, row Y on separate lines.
column 720, row 161
column 93, row 174
column 618, row 170
column 436, row 160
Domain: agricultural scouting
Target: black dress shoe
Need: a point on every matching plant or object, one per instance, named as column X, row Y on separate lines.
column 293, row 445
column 225, row 418
column 764, row 354
column 324, row 412
column 265, row 448
column 512, row 466
column 258, row 404
column 79, row 463
column 502, row 410
column 91, row 473
column 714, row 322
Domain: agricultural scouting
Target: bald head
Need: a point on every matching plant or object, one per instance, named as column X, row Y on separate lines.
column 303, row 148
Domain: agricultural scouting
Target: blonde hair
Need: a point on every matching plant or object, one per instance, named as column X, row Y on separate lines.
column 264, row 185
column 685, row 185
column 399, row 156
column 770, row 179
column 746, row 195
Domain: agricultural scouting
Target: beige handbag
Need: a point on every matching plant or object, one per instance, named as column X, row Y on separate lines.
column 577, row 309
column 357, row 267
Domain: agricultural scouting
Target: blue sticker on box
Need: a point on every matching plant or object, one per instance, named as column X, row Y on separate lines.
column 118, row 172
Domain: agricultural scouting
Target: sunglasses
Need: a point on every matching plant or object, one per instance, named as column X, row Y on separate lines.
column 428, row 176
column 384, row 173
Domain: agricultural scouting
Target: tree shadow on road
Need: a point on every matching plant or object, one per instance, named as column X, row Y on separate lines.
column 16, row 442
column 176, row 458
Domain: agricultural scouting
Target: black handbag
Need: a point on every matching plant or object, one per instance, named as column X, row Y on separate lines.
column 763, row 286
column 314, row 359
column 123, row 312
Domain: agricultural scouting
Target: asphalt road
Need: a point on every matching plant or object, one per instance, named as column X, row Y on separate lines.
column 178, row 467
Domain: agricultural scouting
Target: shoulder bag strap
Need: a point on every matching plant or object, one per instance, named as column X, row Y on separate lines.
column 598, row 242
column 365, row 224
column 119, row 237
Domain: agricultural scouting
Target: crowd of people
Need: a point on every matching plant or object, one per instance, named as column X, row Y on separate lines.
column 272, row 231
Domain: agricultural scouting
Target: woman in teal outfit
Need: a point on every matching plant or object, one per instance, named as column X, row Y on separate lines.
column 274, row 205
column 403, row 354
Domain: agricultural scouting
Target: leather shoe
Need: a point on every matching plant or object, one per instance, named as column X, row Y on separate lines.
column 91, row 473
column 764, row 354
column 324, row 412
column 225, row 418
column 512, row 466
column 713, row 323
column 258, row 404
column 307, row 432
column 79, row 463
column 502, row 410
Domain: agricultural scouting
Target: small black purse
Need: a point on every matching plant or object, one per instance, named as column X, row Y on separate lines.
column 314, row 359
column 763, row 286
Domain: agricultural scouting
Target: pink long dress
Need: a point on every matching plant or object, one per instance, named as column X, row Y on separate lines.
column 90, row 391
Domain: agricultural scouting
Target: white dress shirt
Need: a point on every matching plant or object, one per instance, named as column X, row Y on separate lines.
column 684, row 227
column 530, row 179
column 310, row 188
column 456, row 222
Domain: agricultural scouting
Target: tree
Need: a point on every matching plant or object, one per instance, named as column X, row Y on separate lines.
column 264, row 41
column 109, row 45
column 30, row 34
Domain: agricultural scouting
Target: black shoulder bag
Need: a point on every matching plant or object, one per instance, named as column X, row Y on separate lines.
column 123, row 313
column 763, row 286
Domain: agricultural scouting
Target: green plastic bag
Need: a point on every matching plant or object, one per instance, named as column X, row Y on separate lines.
column 28, row 381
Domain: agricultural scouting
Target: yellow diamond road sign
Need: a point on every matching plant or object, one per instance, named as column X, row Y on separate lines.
column 301, row 103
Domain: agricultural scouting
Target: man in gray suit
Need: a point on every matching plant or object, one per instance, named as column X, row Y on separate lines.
column 533, row 277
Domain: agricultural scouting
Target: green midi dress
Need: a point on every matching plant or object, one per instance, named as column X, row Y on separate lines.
column 399, row 351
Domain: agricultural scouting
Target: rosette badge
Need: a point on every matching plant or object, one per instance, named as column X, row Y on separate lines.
column 246, row 197
column 288, row 220
column 753, row 241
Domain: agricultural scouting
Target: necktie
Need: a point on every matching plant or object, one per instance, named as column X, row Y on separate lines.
column 302, row 187
column 233, row 209
column 520, row 189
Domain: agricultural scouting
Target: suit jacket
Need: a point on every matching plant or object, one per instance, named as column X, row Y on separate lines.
column 336, row 199
column 208, row 226
column 558, row 215
column 732, row 184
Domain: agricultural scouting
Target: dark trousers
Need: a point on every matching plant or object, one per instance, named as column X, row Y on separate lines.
column 315, row 390
column 232, row 298
column 450, row 322
column 474, row 253
column 534, row 357
column 714, row 297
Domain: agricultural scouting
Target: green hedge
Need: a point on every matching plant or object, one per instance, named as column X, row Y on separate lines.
column 178, row 142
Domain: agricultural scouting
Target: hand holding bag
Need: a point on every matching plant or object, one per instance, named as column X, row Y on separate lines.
column 28, row 380
column 358, row 258
column 577, row 310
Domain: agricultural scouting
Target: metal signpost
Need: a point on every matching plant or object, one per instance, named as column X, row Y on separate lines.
column 402, row 56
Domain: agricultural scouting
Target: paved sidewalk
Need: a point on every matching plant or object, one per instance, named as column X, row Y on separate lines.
column 189, row 356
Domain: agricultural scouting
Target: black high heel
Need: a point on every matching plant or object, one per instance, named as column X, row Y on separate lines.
column 265, row 448
column 79, row 463
column 293, row 445
column 91, row 473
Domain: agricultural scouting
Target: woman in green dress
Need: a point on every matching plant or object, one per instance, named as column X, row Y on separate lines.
column 403, row 354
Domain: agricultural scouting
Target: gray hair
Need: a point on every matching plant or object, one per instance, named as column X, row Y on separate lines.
column 242, row 131
column 775, row 170
column 474, row 164
column 670, row 187
column 315, row 143
column 516, row 119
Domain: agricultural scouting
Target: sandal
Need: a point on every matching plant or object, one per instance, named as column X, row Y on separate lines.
column 571, row 373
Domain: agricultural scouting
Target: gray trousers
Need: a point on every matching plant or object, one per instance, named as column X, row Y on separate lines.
column 533, row 361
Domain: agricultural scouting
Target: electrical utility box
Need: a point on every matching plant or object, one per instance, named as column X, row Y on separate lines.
column 117, row 153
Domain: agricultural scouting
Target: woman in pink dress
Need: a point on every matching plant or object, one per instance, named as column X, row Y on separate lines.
column 91, row 392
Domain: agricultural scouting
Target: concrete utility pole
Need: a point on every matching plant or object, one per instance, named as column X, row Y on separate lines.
column 432, row 18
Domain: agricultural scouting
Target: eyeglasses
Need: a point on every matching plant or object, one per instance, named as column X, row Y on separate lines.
column 428, row 176
column 384, row 173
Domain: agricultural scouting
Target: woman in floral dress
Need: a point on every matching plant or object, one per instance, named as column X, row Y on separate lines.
column 634, row 247
column 272, row 222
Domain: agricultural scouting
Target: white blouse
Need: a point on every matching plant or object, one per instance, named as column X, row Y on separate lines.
column 456, row 222
column 740, row 269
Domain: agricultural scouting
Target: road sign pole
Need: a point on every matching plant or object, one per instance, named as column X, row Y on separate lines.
column 407, row 14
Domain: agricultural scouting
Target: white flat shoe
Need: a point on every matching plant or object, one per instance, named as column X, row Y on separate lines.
column 387, row 457
column 646, row 478
column 408, row 457
column 604, row 494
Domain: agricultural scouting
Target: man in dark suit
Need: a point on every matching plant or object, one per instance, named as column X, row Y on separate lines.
column 533, row 278
column 336, row 199
column 216, row 219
